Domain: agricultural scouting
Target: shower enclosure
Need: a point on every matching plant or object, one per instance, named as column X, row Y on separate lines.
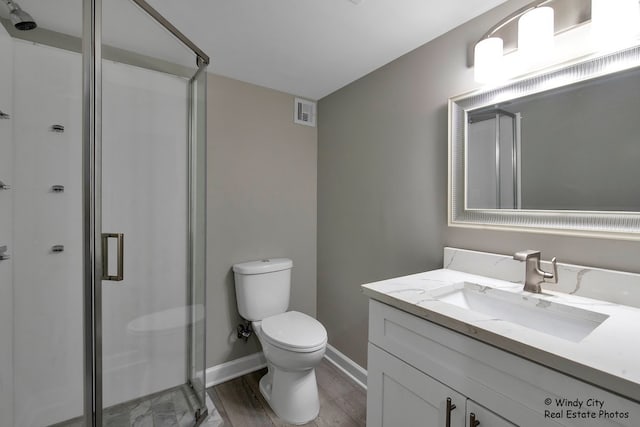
column 493, row 178
column 102, row 207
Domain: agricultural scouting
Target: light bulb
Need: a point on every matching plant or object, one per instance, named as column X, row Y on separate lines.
column 535, row 34
column 488, row 60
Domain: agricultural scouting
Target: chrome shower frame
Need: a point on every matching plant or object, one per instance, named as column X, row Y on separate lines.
column 91, row 192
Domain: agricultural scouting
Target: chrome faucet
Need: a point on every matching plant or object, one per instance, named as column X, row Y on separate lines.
column 533, row 275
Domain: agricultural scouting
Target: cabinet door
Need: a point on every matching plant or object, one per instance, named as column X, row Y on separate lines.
column 400, row 395
column 484, row 417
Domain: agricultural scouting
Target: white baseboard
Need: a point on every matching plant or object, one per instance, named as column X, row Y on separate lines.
column 239, row 367
column 235, row 368
column 350, row 368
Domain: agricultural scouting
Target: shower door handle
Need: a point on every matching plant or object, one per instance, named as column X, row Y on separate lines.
column 105, row 256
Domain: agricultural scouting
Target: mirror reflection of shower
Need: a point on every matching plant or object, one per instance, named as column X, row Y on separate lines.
column 493, row 182
column 19, row 18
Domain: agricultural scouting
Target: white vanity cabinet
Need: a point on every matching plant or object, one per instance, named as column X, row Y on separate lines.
column 415, row 365
column 400, row 395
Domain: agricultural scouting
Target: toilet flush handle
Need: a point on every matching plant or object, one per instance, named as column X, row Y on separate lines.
column 245, row 331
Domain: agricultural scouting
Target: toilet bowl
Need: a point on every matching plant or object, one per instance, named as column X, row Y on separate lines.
column 293, row 343
column 290, row 385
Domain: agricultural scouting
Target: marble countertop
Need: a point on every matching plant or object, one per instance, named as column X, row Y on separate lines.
column 609, row 357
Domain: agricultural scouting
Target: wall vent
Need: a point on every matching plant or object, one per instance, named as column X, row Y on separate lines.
column 304, row 112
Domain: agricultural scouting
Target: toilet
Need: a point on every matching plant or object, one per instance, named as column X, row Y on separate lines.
column 293, row 343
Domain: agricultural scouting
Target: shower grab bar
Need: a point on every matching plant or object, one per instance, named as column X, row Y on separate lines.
column 105, row 257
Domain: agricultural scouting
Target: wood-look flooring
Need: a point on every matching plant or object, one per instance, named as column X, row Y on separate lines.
column 342, row 402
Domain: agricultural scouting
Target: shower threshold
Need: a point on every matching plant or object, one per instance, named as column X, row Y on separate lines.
column 174, row 407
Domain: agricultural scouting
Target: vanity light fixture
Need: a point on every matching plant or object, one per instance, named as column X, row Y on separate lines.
column 535, row 39
column 613, row 23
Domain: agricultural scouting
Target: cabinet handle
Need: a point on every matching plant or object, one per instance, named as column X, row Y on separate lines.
column 472, row 420
column 450, row 408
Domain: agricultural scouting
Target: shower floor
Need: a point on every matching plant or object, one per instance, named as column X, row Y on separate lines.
column 170, row 408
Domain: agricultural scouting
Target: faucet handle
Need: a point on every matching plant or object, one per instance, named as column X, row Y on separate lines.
column 525, row 255
column 533, row 274
column 554, row 275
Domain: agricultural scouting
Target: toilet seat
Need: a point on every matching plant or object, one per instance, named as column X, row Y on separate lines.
column 294, row 331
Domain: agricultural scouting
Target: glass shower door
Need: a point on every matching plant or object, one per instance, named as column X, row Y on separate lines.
column 152, row 219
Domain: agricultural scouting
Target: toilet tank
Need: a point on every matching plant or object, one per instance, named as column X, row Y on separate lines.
column 263, row 287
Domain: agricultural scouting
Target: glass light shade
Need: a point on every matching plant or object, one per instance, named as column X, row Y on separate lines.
column 487, row 60
column 535, row 34
column 614, row 21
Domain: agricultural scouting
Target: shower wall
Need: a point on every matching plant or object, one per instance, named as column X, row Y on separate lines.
column 47, row 285
column 6, row 232
column 144, row 191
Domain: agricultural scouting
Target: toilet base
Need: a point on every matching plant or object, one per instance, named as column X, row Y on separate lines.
column 293, row 395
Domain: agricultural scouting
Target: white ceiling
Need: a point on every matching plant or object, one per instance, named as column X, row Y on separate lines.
column 309, row 48
column 312, row 47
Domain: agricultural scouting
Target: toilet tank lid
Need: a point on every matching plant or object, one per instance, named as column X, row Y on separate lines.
column 263, row 266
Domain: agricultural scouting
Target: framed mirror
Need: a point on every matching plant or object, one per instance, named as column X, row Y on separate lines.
column 557, row 152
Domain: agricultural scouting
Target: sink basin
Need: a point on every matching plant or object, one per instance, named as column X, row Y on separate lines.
column 552, row 318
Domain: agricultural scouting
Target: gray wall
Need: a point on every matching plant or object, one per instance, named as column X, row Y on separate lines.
column 261, row 201
column 580, row 148
column 382, row 184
